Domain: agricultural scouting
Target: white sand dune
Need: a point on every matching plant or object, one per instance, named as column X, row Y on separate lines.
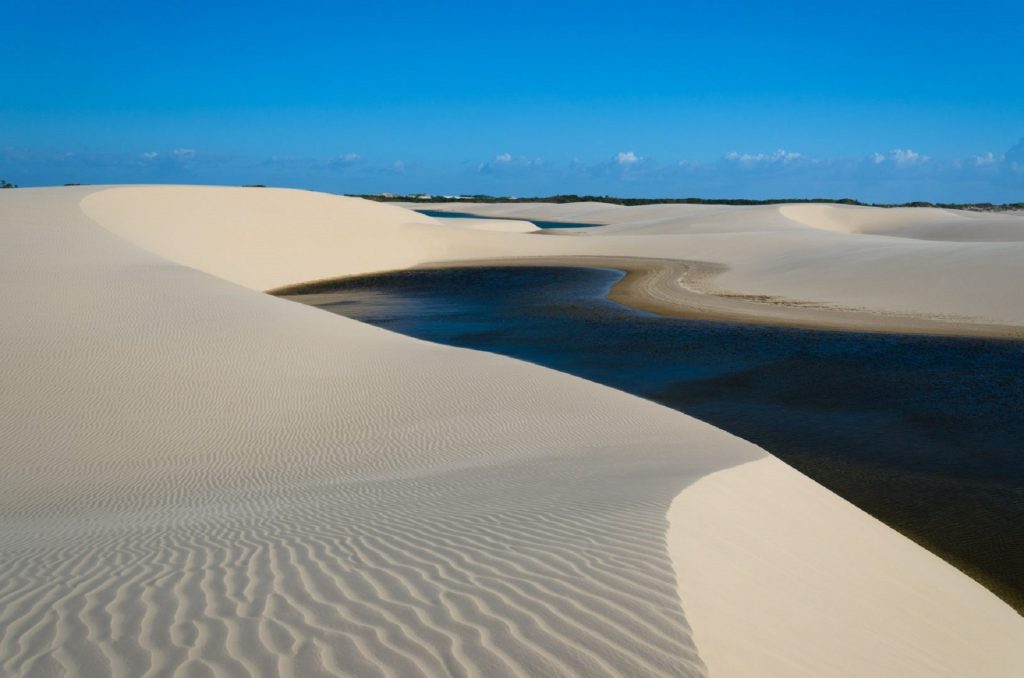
column 201, row 479
column 829, row 255
column 502, row 225
column 911, row 222
column 810, row 546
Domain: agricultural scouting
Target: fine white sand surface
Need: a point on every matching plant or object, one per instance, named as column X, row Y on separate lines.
column 203, row 479
column 503, row 225
column 957, row 266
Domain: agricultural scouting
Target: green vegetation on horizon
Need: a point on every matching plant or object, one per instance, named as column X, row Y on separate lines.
column 631, row 202
column 423, row 198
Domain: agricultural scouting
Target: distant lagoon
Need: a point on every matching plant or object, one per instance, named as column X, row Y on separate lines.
column 925, row 433
column 539, row 224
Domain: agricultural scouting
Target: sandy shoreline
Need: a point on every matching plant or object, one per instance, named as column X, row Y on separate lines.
column 206, row 479
column 685, row 289
column 932, row 264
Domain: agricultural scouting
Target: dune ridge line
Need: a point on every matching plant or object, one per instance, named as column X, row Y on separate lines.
column 207, row 479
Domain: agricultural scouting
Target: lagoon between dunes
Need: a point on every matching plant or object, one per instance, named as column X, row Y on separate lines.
column 201, row 478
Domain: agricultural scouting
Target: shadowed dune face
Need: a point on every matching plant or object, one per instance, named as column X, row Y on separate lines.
column 202, row 478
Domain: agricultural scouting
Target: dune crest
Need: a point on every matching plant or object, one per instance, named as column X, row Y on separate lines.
column 201, row 478
column 961, row 267
column 748, row 541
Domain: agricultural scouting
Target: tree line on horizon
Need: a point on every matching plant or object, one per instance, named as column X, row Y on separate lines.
column 631, row 202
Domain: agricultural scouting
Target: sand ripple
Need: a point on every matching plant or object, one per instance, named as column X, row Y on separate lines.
column 487, row 571
column 199, row 479
column 204, row 480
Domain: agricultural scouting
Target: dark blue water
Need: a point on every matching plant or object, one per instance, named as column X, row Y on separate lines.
column 926, row 433
column 538, row 224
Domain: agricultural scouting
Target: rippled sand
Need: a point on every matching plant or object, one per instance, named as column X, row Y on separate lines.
column 201, row 479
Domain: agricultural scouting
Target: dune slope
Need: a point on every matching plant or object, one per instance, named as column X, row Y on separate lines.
column 958, row 267
column 201, row 479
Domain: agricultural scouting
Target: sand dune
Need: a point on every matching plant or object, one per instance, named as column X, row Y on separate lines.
column 201, row 479
column 922, row 223
column 911, row 222
column 765, row 508
column 502, row 225
column 808, row 254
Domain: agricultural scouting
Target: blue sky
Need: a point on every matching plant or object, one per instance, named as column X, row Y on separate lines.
column 881, row 101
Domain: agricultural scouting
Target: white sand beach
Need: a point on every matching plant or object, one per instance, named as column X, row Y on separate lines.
column 204, row 479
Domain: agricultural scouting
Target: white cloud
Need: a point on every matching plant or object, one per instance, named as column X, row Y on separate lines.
column 627, row 158
column 149, row 155
column 906, row 156
column 506, row 162
column 781, row 156
column 344, row 161
column 985, row 159
column 1015, row 156
column 900, row 157
column 184, row 153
